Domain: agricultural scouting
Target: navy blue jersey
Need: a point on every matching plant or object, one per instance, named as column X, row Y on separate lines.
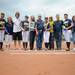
column 9, row 28
column 25, row 25
column 67, row 23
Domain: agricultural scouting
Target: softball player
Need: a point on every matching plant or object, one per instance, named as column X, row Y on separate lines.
column 2, row 30
column 46, row 33
column 25, row 32
column 67, row 31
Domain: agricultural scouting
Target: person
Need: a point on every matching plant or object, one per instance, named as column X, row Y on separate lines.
column 17, row 30
column 8, row 32
column 39, row 32
column 58, row 32
column 51, row 38
column 32, row 32
column 67, row 31
column 46, row 33
column 25, row 32
column 73, row 31
column 2, row 29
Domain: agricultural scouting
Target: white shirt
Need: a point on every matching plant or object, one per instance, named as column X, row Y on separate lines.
column 32, row 26
column 17, row 25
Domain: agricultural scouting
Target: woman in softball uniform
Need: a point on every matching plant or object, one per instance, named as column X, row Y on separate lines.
column 46, row 33
column 67, row 31
column 8, row 32
column 25, row 32
column 2, row 30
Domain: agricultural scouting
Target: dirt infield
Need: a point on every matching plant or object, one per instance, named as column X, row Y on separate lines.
column 37, row 64
column 20, row 62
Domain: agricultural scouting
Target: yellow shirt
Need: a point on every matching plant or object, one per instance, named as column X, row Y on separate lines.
column 51, row 23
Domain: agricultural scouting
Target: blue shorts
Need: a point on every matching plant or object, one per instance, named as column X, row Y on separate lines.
column 73, row 37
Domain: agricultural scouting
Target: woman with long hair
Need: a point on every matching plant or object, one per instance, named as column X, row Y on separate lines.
column 32, row 32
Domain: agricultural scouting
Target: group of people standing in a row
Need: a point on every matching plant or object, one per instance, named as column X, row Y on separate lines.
column 28, row 31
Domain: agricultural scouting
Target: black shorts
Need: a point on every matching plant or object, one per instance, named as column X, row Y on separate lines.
column 17, row 36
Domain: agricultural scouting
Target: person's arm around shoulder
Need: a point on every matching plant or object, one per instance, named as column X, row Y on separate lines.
column 71, row 24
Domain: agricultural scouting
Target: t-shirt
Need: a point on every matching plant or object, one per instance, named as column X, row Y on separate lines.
column 67, row 23
column 32, row 26
column 25, row 25
column 51, row 23
column 17, row 25
column 2, row 24
column 58, row 26
column 9, row 28
column 40, row 25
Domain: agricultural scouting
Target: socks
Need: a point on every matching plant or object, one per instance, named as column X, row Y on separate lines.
column 31, row 46
column 46, row 45
column 68, row 44
column 1, row 45
column 25, row 44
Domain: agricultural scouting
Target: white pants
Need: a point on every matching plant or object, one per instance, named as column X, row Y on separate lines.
column 46, row 36
column 8, row 39
column 1, row 35
column 25, row 36
column 67, row 35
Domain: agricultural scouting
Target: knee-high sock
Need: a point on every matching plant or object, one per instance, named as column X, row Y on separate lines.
column 68, row 44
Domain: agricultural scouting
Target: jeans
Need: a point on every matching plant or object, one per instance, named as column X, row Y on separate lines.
column 39, row 39
column 51, row 41
column 32, row 38
column 58, row 38
column 73, row 37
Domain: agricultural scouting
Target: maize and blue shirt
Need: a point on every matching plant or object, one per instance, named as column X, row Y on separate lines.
column 51, row 23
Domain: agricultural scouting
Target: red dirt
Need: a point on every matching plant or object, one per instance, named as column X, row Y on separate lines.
column 37, row 64
column 24, row 64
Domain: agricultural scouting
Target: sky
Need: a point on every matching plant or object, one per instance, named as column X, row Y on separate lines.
column 38, row 7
